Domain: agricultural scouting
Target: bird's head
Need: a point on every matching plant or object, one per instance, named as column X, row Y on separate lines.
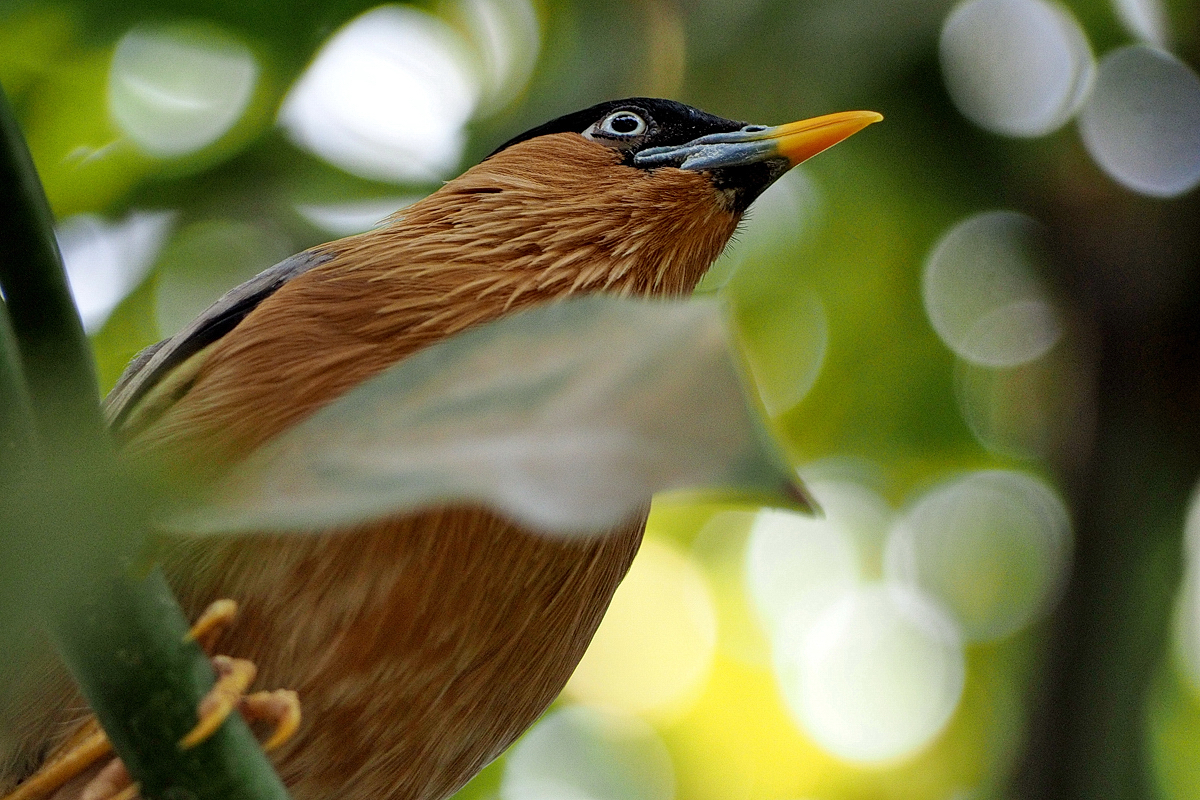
column 639, row 195
column 738, row 160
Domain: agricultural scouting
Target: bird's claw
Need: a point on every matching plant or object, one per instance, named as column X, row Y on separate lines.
column 89, row 743
column 111, row 783
column 87, row 746
column 211, row 623
column 282, row 707
column 234, row 676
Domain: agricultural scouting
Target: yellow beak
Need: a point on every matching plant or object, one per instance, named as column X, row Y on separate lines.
column 795, row 142
column 799, row 141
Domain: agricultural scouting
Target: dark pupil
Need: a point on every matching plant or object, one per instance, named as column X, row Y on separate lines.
column 625, row 123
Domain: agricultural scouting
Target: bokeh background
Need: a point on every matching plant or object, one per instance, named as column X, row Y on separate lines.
column 976, row 327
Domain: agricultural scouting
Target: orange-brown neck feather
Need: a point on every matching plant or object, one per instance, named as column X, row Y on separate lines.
column 543, row 219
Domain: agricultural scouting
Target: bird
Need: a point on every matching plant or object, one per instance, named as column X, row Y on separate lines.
column 422, row 645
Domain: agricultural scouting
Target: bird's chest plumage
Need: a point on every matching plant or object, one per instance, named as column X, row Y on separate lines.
column 483, row 246
column 420, row 648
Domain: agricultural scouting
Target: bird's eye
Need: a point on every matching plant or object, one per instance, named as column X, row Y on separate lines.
column 622, row 124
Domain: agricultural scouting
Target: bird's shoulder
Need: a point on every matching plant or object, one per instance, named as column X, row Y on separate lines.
column 150, row 368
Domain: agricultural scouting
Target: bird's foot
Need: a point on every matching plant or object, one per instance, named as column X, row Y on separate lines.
column 281, row 708
column 88, row 745
column 85, row 747
column 112, row 782
column 234, row 676
column 211, row 623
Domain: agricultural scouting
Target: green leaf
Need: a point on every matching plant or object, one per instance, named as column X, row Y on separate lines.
column 567, row 417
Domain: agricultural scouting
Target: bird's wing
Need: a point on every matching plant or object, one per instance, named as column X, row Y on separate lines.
column 161, row 363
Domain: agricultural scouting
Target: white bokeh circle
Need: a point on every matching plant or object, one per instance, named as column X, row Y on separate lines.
column 106, row 260
column 982, row 293
column 1015, row 67
column 993, row 547
column 580, row 753
column 387, row 97
column 174, row 90
column 876, row 677
column 797, row 565
column 1142, row 122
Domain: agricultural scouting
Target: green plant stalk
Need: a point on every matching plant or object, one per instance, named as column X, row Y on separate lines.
column 127, row 648
column 17, row 441
column 17, row 437
column 79, row 519
column 59, row 367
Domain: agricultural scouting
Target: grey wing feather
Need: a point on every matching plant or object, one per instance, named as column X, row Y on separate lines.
column 152, row 364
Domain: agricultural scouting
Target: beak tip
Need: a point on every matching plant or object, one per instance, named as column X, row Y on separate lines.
column 799, row 141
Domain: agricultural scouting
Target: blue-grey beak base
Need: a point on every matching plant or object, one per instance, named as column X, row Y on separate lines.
column 712, row 152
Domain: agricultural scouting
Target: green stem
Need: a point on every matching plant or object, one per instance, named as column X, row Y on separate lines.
column 58, row 361
column 17, row 454
column 126, row 647
column 76, row 518
column 17, row 437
